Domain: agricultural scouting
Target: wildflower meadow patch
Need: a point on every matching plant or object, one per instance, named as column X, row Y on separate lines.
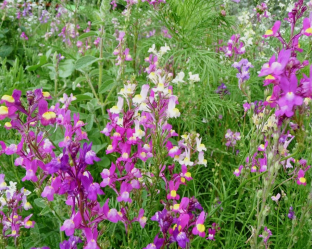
column 155, row 124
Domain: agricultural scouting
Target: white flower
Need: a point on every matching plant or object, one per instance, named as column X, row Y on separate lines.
column 186, row 160
column 127, row 90
column 194, row 77
column 152, row 49
column 164, row 49
column 200, row 146
column 173, row 112
column 179, row 78
column 117, row 108
column 201, row 159
column 138, row 132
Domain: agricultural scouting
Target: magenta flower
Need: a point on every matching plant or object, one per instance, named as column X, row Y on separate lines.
column 91, row 157
column 141, row 218
column 28, row 223
column 48, row 192
column 289, row 98
column 276, row 67
column 124, row 194
column 273, row 31
column 199, row 228
column 263, row 164
column 70, row 224
column 301, row 180
column 178, row 235
column 307, row 25
column 108, row 175
column 94, row 190
column 173, row 191
column 31, row 169
column 158, row 242
column 266, row 235
column 262, row 147
column 3, row 184
column 305, row 87
column 91, row 239
column 238, row 171
column 127, row 55
column 46, row 117
column 211, row 234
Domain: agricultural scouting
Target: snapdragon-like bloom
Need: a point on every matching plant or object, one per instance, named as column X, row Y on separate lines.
column 289, row 98
column 273, row 31
column 301, row 180
column 199, row 228
column 238, row 171
column 173, row 187
column 307, row 25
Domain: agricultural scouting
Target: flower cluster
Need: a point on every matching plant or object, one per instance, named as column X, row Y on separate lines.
column 243, row 74
column 122, row 54
column 234, row 47
column 232, row 138
column 12, row 202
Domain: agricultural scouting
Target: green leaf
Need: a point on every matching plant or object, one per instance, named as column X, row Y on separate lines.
column 85, row 61
column 85, row 35
column 5, row 50
column 66, row 68
column 45, row 211
column 40, row 202
column 43, row 60
column 98, row 147
column 90, row 121
column 81, row 97
column 108, row 85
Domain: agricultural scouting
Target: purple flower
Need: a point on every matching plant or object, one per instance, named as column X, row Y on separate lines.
column 291, row 213
column 158, row 242
column 70, row 224
column 289, row 98
column 211, row 234
column 266, row 235
column 48, row 192
column 305, row 87
column 276, row 67
column 124, row 195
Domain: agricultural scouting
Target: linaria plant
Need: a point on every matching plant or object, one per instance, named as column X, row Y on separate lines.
column 155, row 124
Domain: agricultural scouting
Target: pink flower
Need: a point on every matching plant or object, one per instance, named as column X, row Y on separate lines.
column 301, row 180
column 124, row 194
column 238, row 171
column 199, row 228
column 173, row 191
column 273, row 31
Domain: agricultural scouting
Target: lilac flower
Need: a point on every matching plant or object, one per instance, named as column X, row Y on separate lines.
column 266, row 235
column 71, row 243
column 276, row 198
